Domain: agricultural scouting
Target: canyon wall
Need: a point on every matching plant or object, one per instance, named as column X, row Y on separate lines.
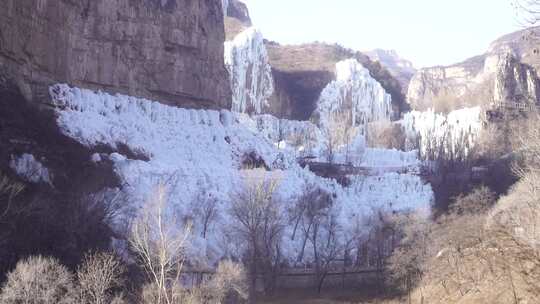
column 166, row 50
column 506, row 74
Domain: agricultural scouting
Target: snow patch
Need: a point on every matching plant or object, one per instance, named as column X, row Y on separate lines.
column 225, row 6
column 30, row 169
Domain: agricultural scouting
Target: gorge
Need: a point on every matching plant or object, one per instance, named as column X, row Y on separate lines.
column 111, row 100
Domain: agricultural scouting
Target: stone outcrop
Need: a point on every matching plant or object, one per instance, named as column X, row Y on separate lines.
column 237, row 18
column 165, row 50
column 403, row 70
column 515, row 82
column 301, row 72
column 238, row 10
column 507, row 72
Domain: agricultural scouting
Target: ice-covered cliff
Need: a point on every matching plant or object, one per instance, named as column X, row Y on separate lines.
column 250, row 73
column 453, row 135
column 354, row 94
column 200, row 155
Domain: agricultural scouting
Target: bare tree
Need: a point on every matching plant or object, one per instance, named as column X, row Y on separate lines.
column 386, row 134
column 205, row 208
column 315, row 222
column 98, row 276
column 325, row 242
column 340, row 132
column 159, row 240
column 38, row 280
column 259, row 223
column 9, row 207
column 228, row 285
column 408, row 263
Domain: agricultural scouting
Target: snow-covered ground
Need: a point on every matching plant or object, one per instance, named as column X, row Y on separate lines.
column 199, row 153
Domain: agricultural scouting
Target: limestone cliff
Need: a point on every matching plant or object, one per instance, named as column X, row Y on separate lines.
column 287, row 80
column 403, row 70
column 167, row 51
column 237, row 18
column 506, row 73
column 302, row 72
column 171, row 51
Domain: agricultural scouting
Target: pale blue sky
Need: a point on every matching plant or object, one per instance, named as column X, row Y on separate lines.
column 427, row 32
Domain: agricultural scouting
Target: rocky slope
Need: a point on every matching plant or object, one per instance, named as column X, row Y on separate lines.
column 402, row 69
column 165, row 50
column 504, row 74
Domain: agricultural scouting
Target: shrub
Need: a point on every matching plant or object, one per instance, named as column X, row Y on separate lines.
column 38, row 280
column 229, row 285
column 476, row 202
column 98, row 276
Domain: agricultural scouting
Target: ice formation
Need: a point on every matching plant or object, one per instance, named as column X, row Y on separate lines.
column 250, row 73
column 451, row 135
column 198, row 155
column 225, row 6
column 30, row 169
column 356, row 94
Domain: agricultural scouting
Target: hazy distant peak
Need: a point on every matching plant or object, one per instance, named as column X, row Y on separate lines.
column 390, row 58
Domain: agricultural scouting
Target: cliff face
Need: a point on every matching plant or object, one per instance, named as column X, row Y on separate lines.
column 237, row 18
column 516, row 82
column 402, row 69
column 287, row 80
column 305, row 70
column 168, row 51
column 171, row 51
column 506, row 73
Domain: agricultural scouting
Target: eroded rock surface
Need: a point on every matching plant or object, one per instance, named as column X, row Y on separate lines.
column 506, row 73
column 166, row 50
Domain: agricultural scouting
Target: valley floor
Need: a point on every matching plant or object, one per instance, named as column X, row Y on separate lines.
column 337, row 296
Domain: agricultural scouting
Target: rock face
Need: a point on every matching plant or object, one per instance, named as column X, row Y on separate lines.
column 169, row 51
column 299, row 73
column 506, row 73
column 516, row 82
column 237, row 18
column 238, row 10
column 403, row 70
column 302, row 72
column 166, row 50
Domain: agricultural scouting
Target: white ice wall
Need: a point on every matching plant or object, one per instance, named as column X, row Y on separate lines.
column 435, row 134
column 355, row 92
column 194, row 152
column 250, row 73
